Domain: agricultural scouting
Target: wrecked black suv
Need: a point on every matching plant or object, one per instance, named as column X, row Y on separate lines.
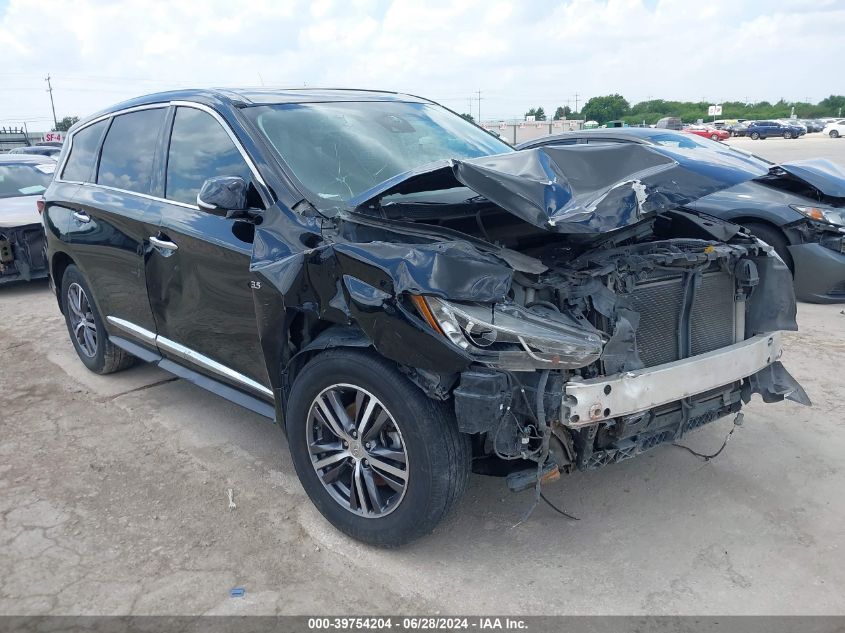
column 408, row 296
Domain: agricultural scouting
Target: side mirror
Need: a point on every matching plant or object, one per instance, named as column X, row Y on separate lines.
column 223, row 194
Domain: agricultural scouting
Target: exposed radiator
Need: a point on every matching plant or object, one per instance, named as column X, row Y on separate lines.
column 659, row 303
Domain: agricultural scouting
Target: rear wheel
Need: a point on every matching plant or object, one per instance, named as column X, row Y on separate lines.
column 774, row 238
column 834, row 134
column 380, row 460
column 85, row 326
column 754, row 135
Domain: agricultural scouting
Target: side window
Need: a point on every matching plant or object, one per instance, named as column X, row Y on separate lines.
column 199, row 149
column 83, row 153
column 129, row 150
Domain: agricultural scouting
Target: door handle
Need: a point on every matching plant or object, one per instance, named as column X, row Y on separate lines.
column 81, row 216
column 163, row 245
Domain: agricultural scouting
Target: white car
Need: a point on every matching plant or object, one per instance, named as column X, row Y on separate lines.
column 23, row 178
column 834, row 129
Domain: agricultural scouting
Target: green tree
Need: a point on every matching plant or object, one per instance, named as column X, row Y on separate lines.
column 562, row 112
column 64, row 124
column 539, row 114
column 834, row 104
column 607, row 108
column 468, row 117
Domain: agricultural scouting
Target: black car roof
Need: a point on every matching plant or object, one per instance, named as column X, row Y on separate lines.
column 642, row 133
column 243, row 97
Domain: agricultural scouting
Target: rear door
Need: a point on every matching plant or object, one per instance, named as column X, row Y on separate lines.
column 198, row 274
column 112, row 217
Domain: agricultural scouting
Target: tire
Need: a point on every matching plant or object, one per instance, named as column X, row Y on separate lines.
column 787, row 135
column 775, row 238
column 714, row 137
column 834, row 134
column 103, row 357
column 437, row 456
column 754, row 136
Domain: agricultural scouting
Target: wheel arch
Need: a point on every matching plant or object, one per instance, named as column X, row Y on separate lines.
column 334, row 337
column 58, row 265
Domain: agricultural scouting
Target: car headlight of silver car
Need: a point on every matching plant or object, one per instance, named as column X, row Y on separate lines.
column 823, row 214
column 509, row 336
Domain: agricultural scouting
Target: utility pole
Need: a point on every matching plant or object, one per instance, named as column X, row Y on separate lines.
column 52, row 105
column 479, row 107
column 576, row 102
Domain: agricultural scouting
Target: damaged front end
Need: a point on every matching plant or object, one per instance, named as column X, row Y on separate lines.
column 562, row 299
column 22, row 253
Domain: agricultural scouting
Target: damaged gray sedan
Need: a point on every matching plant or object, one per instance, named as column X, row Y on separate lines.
column 411, row 299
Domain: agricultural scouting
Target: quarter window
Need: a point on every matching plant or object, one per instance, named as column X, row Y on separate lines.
column 199, row 149
column 83, row 153
column 129, row 150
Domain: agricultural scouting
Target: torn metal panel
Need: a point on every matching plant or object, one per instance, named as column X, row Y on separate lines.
column 583, row 189
column 826, row 176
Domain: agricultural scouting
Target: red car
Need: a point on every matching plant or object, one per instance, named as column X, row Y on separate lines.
column 708, row 132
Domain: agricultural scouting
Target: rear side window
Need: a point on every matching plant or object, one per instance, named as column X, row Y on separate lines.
column 129, row 150
column 83, row 153
column 199, row 149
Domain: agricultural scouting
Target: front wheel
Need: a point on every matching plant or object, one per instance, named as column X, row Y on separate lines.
column 714, row 137
column 834, row 134
column 787, row 135
column 754, row 136
column 380, row 460
column 775, row 238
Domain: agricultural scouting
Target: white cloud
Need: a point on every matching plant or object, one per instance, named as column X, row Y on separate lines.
column 518, row 54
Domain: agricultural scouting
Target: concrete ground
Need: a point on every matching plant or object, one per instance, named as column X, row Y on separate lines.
column 114, row 501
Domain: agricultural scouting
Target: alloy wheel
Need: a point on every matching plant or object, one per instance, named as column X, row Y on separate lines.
column 357, row 450
column 81, row 318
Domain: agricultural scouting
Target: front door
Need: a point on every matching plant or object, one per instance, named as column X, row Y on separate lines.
column 198, row 275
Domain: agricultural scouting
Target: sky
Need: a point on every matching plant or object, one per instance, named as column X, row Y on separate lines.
column 518, row 54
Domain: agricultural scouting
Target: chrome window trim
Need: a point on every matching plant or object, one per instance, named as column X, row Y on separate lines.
column 60, row 169
column 228, row 130
column 186, row 353
column 163, row 104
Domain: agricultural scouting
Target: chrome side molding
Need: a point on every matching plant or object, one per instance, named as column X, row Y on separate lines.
column 186, row 353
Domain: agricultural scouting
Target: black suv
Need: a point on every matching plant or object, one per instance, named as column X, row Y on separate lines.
column 406, row 295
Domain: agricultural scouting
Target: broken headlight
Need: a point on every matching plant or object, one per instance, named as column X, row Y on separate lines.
column 512, row 337
column 830, row 215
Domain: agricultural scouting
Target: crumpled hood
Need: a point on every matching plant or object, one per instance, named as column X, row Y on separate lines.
column 824, row 175
column 585, row 189
column 18, row 211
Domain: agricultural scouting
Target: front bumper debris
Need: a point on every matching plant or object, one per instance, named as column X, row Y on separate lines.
column 586, row 402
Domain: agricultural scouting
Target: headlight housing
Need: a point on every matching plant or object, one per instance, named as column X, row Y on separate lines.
column 508, row 336
column 822, row 214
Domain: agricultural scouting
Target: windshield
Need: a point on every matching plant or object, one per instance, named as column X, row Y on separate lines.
column 25, row 180
column 341, row 149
